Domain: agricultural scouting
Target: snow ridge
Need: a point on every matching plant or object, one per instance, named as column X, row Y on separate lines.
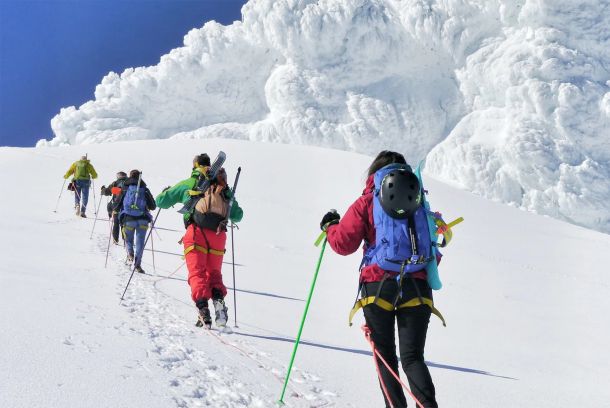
column 509, row 99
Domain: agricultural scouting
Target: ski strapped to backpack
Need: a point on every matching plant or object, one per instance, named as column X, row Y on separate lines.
column 224, row 223
column 405, row 244
column 203, row 184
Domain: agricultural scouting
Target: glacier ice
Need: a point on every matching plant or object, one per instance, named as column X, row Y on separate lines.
column 507, row 98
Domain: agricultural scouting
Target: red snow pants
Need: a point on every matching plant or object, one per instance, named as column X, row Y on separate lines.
column 204, row 250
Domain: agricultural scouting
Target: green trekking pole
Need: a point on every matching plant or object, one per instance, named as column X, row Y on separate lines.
column 298, row 339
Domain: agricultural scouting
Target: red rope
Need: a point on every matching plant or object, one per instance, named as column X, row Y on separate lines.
column 367, row 335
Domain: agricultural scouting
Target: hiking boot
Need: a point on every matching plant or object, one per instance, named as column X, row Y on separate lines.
column 221, row 312
column 139, row 269
column 83, row 215
column 205, row 317
column 77, row 210
column 129, row 259
column 115, row 241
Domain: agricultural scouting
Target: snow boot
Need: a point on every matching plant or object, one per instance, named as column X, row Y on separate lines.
column 205, row 317
column 129, row 259
column 139, row 269
column 221, row 312
column 83, row 215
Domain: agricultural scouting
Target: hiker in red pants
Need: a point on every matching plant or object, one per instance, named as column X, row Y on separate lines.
column 205, row 237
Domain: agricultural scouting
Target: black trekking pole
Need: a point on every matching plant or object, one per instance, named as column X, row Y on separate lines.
column 234, row 288
column 109, row 238
column 60, row 193
column 157, row 232
column 94, row 198
column 79, row 198
column 135, row 261
column 233, row 245
column 152, row 247
column 95, row 221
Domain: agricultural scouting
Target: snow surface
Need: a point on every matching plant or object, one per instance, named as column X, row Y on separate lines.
column 507, row 98
column 525, row 296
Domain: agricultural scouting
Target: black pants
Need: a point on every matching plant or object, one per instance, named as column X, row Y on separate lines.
column 412, row 329
column 114, row 218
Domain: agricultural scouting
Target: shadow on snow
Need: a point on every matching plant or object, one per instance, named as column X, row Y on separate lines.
column 369, row 353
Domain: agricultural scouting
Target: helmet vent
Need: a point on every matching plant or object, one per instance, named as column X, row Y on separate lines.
column 391, row 185
column 391, row 196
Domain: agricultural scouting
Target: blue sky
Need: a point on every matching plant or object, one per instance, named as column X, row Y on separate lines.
column 53, row 53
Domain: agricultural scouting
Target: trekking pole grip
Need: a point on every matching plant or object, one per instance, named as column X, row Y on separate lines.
column 320, row 238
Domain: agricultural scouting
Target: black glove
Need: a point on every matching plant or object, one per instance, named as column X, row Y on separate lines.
column 330, row 218
column 103, row 188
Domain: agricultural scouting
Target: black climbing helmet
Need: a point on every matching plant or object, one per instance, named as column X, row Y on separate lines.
column 400, row 193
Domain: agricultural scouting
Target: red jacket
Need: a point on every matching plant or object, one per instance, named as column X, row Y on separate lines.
column 355, row 226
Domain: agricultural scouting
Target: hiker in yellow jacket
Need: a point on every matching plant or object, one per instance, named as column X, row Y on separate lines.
column 82, row 172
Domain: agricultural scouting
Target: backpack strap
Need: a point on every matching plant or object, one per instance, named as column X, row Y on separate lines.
column 369, row 254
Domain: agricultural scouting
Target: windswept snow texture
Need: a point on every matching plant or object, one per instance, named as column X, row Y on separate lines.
column 507, row 98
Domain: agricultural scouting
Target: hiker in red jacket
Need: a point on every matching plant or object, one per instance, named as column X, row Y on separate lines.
column 345, row 236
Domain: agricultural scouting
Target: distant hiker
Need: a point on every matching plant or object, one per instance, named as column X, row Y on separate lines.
column 391, row 291
column 133, row 207
column 82, row 172
column 114, row 189
column 205, row 237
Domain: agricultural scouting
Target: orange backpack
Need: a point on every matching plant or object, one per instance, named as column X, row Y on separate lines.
column 213, row 201
column 212, row 209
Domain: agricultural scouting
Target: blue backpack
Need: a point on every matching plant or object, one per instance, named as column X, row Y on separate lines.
column 404, row 245
column 134, row 203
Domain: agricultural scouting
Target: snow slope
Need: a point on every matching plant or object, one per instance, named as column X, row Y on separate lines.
column 509, row 99
column 525, row 296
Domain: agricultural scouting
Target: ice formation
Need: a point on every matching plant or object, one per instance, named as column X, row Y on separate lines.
column 507, row 98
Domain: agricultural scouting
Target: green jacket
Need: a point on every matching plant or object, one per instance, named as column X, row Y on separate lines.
column 82, row 170
column 179, row 194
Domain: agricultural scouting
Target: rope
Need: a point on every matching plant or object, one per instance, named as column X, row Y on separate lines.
column 384, row 388
column 367, row 335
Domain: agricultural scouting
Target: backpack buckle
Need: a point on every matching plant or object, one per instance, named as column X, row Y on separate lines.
column 415, row 259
